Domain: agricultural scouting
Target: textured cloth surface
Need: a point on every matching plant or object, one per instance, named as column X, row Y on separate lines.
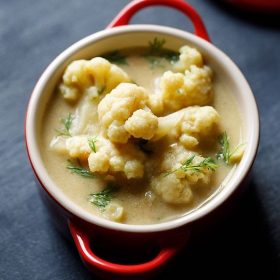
column 32, row 34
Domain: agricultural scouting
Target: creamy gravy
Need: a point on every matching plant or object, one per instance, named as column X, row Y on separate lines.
column 135, row 195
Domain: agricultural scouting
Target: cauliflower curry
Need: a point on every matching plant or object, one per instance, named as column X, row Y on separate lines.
column 141, row 136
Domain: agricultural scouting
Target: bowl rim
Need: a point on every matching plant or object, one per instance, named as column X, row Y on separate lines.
column 56, row 194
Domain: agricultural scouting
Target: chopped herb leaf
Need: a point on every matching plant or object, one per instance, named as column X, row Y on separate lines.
column 67, row 123
column 116, row 57
column 76, row 168
column 157, row 53
column 91, row 143
column 156, row 46
column 188, row 165
column 102, row 199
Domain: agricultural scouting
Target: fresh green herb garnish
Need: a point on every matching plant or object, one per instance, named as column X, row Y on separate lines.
column 156, row 46
column 67, row 123
column 188, row 165
column 156, row 53
column 91, row 143
column 156, row 49
column 224, row 153
column 76, row 168
column 102, row 199
column 116, row 57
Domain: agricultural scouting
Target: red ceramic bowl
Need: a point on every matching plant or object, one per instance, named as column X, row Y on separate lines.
column 167, row 237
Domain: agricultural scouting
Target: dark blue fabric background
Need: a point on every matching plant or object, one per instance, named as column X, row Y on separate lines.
column 32, row 34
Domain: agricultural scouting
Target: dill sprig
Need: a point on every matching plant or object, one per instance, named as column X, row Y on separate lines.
column 156, row 46
column 116, row 57
column 188, row 165
column 91, row 143
column 102, row 199
column 76, row 168
column 157, row 49
column 157, row 53
column 225, row 154
column 67, row 123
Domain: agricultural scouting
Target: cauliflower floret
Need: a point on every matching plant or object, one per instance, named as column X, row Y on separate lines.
column 182, row 90
column 78, row 146
column 121, row 116
column 171, row 189
column 142, row 124
column 69, row 93
column 198, row 123
column 188, row 141
column 193, row 177
column 134, row 168
column 174, row 184
column 76, row 74
column 117, row 133
column 112, row 158
column 106, row 75
column 188, row 56
column 173, row 157
column 176, row 157
column 75, row 147
column 99, row 161
column 155, row 103
column 168, row 125
column 190, row 125
column 92, row 76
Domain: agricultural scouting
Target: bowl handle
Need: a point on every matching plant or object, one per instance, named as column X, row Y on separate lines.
column 107, row 269
column 129, row 10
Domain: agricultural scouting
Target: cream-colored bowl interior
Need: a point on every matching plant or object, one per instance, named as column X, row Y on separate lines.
column 137, row 36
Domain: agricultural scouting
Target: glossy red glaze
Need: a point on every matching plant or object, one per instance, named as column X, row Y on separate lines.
column 128, row 11
column 141, row 271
